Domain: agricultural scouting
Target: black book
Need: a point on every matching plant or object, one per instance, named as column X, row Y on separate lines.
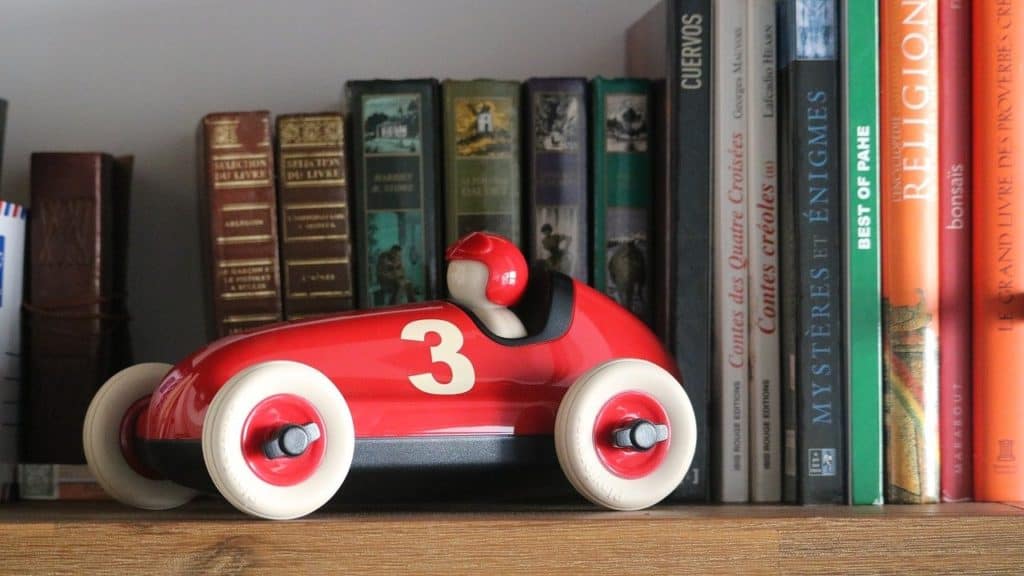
column 396, row 153
column 672, row 44
column 811, row 213
column 556, row 210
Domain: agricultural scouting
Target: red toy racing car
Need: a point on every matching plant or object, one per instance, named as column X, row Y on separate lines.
column 274, row 419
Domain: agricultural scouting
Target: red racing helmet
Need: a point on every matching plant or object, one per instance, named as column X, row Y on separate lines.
column 506, row 266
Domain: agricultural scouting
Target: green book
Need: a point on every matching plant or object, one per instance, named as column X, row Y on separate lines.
column 396, row 190
column 481, row 151
column 863, row 288
column 622, row 181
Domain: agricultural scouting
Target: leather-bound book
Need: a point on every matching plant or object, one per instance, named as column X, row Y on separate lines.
column 239, row 217
column 316, row 249
column 74, row 313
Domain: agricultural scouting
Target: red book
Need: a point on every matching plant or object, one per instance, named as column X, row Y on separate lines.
column 955, row 248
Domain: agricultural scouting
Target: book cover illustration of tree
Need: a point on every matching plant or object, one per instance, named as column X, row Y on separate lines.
column 557, row 122
column 626, row 123
column 483, row 127
column 391, row 124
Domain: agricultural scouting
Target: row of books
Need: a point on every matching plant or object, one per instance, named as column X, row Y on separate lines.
column 377, row 240
column 832, row 235
column 809, row 190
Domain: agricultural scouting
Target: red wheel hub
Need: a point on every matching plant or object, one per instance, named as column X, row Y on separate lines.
column 620, row 411
column 266, row 420
column 129, row 424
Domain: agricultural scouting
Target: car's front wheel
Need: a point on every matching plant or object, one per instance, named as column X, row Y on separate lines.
column 625, row 434
column 278, row 440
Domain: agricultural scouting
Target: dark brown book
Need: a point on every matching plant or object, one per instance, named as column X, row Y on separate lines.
column 75, row 316
column 239, row 208
column 316, row 250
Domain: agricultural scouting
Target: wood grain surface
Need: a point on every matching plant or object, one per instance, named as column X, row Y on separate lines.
column 211, row 538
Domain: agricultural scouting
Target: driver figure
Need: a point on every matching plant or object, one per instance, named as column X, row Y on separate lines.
column 487, row 274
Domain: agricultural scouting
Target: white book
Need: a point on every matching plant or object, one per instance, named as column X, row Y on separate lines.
column 12, row 265
column 763, row 218
column 731, row 293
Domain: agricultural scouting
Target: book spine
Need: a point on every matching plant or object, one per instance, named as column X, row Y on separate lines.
column 316, row 248
column 762, row 226
column 557, row 210
column 481, row 139
column 955, row 249
column 395, row 143
column 241, row 221
column 70, row 300
column 812, row 261
column 731, row 362
column 998, row 47
column 58, row 482
column 863, row 265
column 623, row 188
column 3, row 129
column 672, row 44
column 910, row 247
column 12, row 264
column 690, row 189
column 123, row 169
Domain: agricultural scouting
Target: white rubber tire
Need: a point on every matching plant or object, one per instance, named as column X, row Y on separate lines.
column 101, row 439
column 222, row 433
column 574, row 434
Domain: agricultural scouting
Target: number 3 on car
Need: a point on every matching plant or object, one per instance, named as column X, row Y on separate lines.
column 543, row 371
column 446, row 352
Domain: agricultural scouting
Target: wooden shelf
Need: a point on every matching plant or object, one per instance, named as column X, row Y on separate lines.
column 207, row 537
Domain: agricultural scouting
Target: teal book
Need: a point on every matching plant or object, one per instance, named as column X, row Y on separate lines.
column 623, row 184
column 396, row 152
column 863, row 278
column 482, row 158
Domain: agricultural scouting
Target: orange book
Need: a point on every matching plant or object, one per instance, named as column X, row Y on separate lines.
column 910, row 247
column 998, row 250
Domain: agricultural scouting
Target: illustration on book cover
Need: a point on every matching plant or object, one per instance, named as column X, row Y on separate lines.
column 906, row 343
column 391, row 124
column 557, row 229
column 556, row 122
column 395, row 255
column 626, row 123
column 815, row 26
column 483, row 127
column 626, row 258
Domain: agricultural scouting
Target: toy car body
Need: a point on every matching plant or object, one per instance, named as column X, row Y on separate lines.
column 275, row 418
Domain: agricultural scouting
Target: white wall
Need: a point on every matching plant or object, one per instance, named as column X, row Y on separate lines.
column 136, row 76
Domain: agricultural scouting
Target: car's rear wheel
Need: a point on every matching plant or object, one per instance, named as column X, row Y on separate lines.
column 625, row 434
column 108, row 438
column 278, row 440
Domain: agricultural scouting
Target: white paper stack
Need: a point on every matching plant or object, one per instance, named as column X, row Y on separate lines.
column 12, row 265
